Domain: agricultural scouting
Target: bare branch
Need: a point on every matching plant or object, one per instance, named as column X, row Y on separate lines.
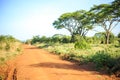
column 114, row 26
column 110, row 26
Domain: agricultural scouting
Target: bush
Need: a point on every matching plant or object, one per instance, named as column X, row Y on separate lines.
column 107, row 61
column 102, row 59
column 115, row 69
column 82, row 45
column 89, row 40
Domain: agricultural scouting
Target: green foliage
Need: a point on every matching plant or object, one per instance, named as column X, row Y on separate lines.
column 82, row 44
column 57, row 38
column 101, row 37
column 116, row 67
column 89, row 40
column 8, row 44
column 78, row 22
column 112, row 38
column 102, row 17
column 34, row 39
column 102, row 59
column 2, row 59
column 107, row 60
column 115, row 8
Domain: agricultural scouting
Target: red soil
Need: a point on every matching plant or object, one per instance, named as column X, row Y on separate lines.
column 38, row 64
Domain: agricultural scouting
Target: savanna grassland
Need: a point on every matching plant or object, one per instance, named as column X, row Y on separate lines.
column 102, row 50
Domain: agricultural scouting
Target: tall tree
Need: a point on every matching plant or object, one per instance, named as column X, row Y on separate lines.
column 103, row 18
column 75, row 22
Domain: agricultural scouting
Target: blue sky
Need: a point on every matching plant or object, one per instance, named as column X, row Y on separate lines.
column 24, row 19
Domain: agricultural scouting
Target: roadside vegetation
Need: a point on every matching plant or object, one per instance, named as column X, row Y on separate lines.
column 103, row 49
column 9, row 48
column 91, row 50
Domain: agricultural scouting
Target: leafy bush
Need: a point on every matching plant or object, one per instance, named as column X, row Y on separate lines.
column 82, row 45
column 116, row 67
column 102, row 59
column 89, row 40
column 107, row 61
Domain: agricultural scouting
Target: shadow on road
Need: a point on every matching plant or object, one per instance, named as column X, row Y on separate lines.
column 86, row 67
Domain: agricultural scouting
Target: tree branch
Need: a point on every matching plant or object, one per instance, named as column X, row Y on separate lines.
column 114, row 26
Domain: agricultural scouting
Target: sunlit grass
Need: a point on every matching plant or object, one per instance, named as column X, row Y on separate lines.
column 98, row 52
column 9, row 48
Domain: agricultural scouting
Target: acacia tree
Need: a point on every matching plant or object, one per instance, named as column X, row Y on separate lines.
column 107, row 21
column 77, row 23
column 115, row 8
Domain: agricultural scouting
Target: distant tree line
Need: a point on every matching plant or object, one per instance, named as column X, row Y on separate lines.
column 98, row 38
column 54, row 39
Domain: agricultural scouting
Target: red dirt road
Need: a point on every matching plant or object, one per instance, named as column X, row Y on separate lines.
column 38, row 64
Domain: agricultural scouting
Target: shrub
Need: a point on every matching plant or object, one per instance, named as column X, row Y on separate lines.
column 82, row 45
column 89, row 40
column 116, row 67
column 102, row 59
column 107, row 60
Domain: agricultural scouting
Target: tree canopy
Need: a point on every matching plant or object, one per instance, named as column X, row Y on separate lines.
column 107, row 21
column 80, row 22
column 77, row 22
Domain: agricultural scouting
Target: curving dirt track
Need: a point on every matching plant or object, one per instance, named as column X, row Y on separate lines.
column 38, row 64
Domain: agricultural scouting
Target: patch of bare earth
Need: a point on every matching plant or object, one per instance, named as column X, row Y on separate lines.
column 38, row 64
